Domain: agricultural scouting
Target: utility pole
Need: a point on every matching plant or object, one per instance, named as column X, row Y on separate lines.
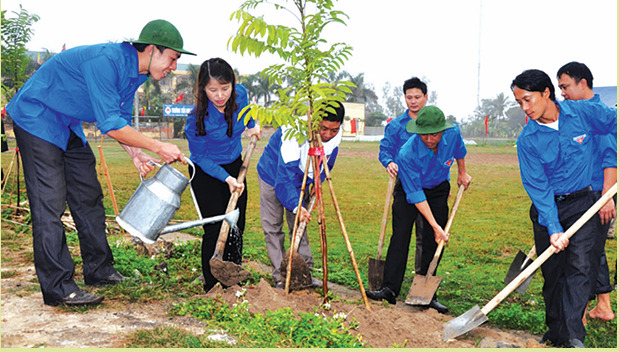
column 136, row 113
column 479, row 54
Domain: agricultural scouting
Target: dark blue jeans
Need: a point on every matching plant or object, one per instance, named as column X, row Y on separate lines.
column 55, row 178
column 570, row 275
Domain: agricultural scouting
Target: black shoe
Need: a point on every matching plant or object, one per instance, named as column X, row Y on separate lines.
column 113, row 279
column 439, row 307
column 574, row 343
column 81, row 298
column 384, row 293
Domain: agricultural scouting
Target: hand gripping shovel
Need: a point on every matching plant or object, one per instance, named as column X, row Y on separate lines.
column 229, row 273
column 377, row 266
column 424, row 287
column 298, row 274
column 475, row 316
column 518, row 265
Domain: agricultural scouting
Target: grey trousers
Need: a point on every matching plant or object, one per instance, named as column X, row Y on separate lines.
column 272, row 215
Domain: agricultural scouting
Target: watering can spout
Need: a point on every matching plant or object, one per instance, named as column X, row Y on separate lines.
column 232, row 217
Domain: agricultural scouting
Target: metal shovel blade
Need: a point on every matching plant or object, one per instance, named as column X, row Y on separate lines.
column 300, row 275
column 515, row 269
column 522, row 288
column 376, row 268
column 422, row 290
column 228, row 273
column 468, row 321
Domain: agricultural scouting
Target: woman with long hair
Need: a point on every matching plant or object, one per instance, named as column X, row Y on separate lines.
column 213, row 131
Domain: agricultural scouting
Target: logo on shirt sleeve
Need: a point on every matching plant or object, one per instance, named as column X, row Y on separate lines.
column 579, row 139
column 449, row 162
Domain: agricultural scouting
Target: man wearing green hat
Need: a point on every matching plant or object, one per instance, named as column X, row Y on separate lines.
column 94, row 83
column 424, row 162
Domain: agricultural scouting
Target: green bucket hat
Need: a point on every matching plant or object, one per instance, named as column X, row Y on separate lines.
column 430, row 119
column 162, row 32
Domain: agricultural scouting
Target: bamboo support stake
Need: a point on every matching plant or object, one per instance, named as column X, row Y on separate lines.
column 107, row 177
column 6, row 176
column 314, row 142
column 345, row 234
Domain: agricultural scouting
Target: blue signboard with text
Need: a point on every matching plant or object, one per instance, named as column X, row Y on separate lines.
column 177, row 110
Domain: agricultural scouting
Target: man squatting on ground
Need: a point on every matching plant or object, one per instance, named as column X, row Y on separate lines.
column 424, row 163
column 94, row 83
column 416, row 96
column 554, row 152
column 280, row 175
column 576, row 83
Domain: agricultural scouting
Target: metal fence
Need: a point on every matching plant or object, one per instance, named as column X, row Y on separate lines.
column 156, row 127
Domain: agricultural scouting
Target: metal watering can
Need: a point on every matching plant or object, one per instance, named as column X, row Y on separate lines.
column 156, row 200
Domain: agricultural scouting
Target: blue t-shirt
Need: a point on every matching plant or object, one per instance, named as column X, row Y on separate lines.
column 559, row 162
column 420, row 168
column 395, row 137
column 216, row 148
column 93, row 83
column 605, row 157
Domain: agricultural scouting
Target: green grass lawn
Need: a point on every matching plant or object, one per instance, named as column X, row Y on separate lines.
column 492, row 224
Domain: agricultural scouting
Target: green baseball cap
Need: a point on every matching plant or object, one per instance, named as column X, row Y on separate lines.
column 162, row 32
column 430, row 119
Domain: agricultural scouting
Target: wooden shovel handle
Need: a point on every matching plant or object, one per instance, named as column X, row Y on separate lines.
column 234, row 197
column 441, row 243
column 549, row 251
column 383, row 224
column 301, row 228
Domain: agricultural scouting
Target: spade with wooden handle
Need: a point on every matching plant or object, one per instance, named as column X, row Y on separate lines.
column 475, row 316
column 229, row 273
column 424, row 286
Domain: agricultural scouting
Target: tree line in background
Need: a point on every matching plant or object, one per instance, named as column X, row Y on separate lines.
column 504, row 118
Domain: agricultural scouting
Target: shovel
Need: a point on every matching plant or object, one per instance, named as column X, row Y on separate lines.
column 377, row 266
column 298, row 274
column 518, row 265
column 229, row 273
column 424, row 287
column 475, row 316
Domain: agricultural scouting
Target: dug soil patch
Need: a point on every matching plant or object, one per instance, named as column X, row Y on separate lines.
column 27, row 322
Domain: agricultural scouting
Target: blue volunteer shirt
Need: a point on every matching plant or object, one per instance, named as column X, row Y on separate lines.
column 605, row 158
column 420, row 168
column 559, row 162
column 395, row 137
column 282, row 165
column 216, row 148
column 94, row 83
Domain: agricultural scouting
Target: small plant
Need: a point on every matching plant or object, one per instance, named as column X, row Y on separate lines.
column 280, row 328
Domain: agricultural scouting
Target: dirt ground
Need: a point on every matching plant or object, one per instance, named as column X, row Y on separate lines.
column 27, row 322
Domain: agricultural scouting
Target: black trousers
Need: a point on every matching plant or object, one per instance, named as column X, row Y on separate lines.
column 213, row 197
column 404, row 215
column 55, row 178
column 603, row 281
column 570, row 275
